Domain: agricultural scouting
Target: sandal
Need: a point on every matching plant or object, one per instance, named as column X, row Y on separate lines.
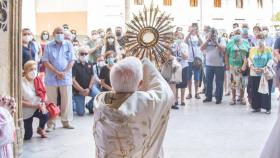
column 233, row 102
column 197, row 96
column 42, row 133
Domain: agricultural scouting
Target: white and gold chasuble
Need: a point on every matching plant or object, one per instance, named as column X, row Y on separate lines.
column 136, row 128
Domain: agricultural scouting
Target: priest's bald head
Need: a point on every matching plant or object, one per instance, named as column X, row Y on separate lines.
column 127, row 75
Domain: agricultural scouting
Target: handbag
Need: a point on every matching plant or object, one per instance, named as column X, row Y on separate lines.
column 263, row 85
column 197, row 62
column 166, row 70
column 176, row 76
column 53, row 110
column 269, row 73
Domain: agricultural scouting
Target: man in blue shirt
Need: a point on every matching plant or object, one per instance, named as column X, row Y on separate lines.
column 59, row 59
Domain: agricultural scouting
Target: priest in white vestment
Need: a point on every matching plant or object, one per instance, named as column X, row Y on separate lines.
column 131, row 120
column 272, row 146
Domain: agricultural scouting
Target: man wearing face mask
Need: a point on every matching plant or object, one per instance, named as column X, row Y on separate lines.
column 82, row 82
column 28, row 48
column 120, row 37
column 95, row 44
column 58, row 59
column 96, row 88
column 245, row 34
column 237, row 52
column 268, row 40
column 101, row 33
column 100, row 62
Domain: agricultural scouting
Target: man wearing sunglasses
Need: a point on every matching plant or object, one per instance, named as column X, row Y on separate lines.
column 82, row 73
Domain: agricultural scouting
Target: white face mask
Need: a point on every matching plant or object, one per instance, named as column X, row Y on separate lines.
column 32, row 74
column 84, row 59
column 101, row 63
column 111, row 40
column 101, row 34
column 76, row 48
column 27, row 38
column 94, row 37
column 45, row 37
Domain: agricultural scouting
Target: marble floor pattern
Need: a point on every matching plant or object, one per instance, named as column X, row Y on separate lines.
column 195, row 131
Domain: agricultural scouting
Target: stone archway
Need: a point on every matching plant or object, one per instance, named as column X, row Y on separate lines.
column 10, row 61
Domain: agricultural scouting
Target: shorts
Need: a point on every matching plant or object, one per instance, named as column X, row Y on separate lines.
column 195, row 71
column 184, row 84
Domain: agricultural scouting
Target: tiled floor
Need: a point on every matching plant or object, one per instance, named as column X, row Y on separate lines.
column 195, row 131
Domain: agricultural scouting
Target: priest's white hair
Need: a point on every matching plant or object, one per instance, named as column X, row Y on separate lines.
column 126, row 75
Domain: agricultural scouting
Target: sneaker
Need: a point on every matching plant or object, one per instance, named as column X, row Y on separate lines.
column 218, row 101
column 90, row 110
column 197, row 96
column 42, row 133
column 256, row 110
column 183, row 104
column 267, row 112
column 175, row 107
column 189, row 96
column 207, row 100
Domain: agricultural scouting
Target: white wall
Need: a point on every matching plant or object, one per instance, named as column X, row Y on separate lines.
column 184, row 15
column 29, row 15
column 62, row 5
column 105, row 13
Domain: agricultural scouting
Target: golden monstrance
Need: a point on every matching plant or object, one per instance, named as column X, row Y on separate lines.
column 148, row 34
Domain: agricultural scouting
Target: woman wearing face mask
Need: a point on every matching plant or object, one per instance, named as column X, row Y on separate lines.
column 256, row 31
column 45, row 36
column 260, row 58
column 33, row 97
column 111, row 44
column 28, row 48
column 105, row 71
column 237, row 52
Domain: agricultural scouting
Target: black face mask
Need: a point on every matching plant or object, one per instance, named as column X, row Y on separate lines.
column 118, row 33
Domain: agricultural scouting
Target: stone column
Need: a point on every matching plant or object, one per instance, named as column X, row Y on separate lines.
column 127, row 10
column 10, row 62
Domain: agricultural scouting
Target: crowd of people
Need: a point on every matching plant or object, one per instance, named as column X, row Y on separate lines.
column 240, row 65
column 66, row 69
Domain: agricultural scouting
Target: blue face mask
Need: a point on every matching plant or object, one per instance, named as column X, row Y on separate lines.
column 59, row 37
column 110, row 61
column 245, row 31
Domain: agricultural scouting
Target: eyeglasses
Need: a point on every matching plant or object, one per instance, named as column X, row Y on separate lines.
column 83, row 54
column 24, row 34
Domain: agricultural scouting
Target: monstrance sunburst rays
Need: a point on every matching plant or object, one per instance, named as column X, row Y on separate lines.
column 148, row 34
